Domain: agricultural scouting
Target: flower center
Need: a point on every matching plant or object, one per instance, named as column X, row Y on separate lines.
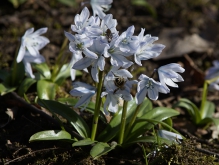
column 149, row 84
column 80, row 46
column 125, row 40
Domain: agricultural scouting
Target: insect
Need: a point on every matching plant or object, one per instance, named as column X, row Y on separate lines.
column 109, row 35
column 120, row 83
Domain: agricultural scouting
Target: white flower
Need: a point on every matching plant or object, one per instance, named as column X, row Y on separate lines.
column 81, row 21
column 118, row 58
column 147, row 49
column 168, row 75
column 169, row 135
column 28, row 59
column 214, row 85
column 74, row 59
column 33, row 42
column 84, row 91
column 80, row 43
column 148, row 86
column 117, row 86
column 127, row 42
column 98, row 48
column 111, row 101
column 116, row 74
column 213, row 71
column 100, row 6
column 106, row 30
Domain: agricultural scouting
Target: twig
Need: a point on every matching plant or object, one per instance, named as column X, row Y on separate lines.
column 23, row 156
column 207, row 152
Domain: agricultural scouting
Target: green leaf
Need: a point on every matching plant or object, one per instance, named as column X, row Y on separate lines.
column 46, row 89
column 209, row 120
column 113, row 127
column 148, row 139
column 50, row 135
column 90, row 107
column 4, row 89
column 145, row 107
column 191, row 108
column 63, row 74
column 43, row 69
column 69, row 114
column 83, row 142
column 169, row 122
column 159, row 114
column 16, row 75
column 208, row 110
column 25, row 85
column 100, row 149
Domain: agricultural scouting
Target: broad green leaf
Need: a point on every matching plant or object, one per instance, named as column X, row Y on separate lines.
column 83, row 142
column 100, row 149
column 16, row 75
column 113, row 127
column 46, row 89
column 25, row 85
column 148, row 139
column 4, row 89
column 63, row 74
column 90, row 107
column 43, row 69
column 69, row 114
column 159, row 114
column 72, row 101
column 50, row 135
column 145, row 107
column 191, row 108
column 169, row 122
column 209, row 120
column 208, row 110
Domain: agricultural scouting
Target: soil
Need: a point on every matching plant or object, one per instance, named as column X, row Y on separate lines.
column 175, row 22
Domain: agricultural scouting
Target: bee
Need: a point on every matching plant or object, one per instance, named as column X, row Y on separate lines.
column 120, row 83
column 109, row 35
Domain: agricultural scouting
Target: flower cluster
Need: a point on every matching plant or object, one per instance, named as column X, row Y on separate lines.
column 95, row 39
column 31, row 43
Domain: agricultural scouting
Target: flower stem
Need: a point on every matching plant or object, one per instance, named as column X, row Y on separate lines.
column 58, row 63
column 204, row 96
column 205, row 92
column 15, row 67
column 123, row 122
column 97, row 106
column 132, row 120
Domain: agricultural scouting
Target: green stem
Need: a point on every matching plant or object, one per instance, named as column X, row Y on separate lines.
column 14, row 66
column 205, row 92
column 123, row 122
column 97, row 106
column 212, row 80
column 204, row 96
column 132, row 120
column 58, row 64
